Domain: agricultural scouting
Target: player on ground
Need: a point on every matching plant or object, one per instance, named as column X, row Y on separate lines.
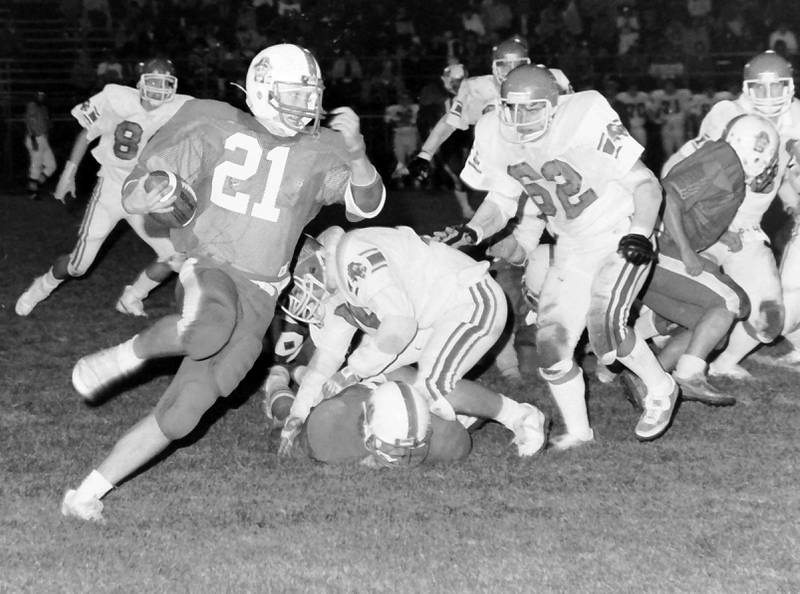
column 123, row 119
column 577, row 165
column 414, row 302
column 259, row 180
column 384, row 425
column 743, row 251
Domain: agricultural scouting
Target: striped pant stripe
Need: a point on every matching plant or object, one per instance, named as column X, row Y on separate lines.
column 77, row 253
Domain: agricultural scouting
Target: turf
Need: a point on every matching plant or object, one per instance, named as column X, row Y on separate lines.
column 713, row 506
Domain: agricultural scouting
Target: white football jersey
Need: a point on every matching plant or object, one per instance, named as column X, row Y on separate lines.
column 391, row 271
column 636, row 107
column 572, row 173
column 476, row 96
column 670, row 107
column 788, row 125
column 124, row 126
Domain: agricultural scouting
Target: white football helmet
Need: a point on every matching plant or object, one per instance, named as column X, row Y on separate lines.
column 157, row 81
column 313, row 277
column 396, row 425
column 756, row 142
column 528, row 99
column 769, row 83
column 507, row 55
column 453, row 76
column 284, row 89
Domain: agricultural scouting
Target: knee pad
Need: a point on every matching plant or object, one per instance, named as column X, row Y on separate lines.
column 770, row 320
column 234, row 363
column 183, row 405
column 558, row 372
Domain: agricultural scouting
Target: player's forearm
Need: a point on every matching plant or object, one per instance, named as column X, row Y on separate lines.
column 79, row 148
column 673, row 222
column 441, row 132
column 322, row 366
column 489, row 218
column 647, row 199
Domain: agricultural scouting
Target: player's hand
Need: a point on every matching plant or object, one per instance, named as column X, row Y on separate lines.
column 346, row 122
column 66, row 183
column 338, row 382
column 419, row 168
column 508, row 249
column 732, row 240
column 290, row 431
column 442, row 408
column 456, row 236
column 141, row 201
column 692, row 263
column 636, row 249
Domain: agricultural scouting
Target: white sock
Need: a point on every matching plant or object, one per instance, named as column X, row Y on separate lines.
column 143, row 284
column 690, row 366
column 570, row 397
column 49, row 281
column 645, row 325
column 94, row 485
column 510, row 411
column 643, row 363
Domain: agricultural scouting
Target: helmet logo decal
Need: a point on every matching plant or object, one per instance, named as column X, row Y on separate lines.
column 262, row 70
column 761, row 143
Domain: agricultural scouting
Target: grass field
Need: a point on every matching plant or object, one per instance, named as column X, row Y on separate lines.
column 713, row 506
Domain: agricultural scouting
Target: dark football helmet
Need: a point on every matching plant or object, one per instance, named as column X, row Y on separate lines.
column 157, row 81
column 756, row 142
column 528, row 99
column 769, row 84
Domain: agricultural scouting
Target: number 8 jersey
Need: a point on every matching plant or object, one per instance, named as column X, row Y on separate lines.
column 255, row 191
column 571, row 173
column 124, row 126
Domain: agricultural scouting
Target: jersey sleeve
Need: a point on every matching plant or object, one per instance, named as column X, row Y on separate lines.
column 92, row 114
column 713, row 125
column 457, row 116
column 483, row 170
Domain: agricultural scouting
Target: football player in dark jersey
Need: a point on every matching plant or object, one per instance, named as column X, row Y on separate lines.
column 259, row 179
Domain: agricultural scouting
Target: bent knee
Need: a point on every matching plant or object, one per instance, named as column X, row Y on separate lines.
column 179, row 411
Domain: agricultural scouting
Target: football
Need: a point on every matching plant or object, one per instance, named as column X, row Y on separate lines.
column 185, row 206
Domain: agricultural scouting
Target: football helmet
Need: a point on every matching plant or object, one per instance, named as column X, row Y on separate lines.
column 396, row 425
column 769, row 84
column 507, row 55
column 756, row 142
column 528, row 99
column 157, row 81
column 312, row 280
column 284, row 89
column 453, row 76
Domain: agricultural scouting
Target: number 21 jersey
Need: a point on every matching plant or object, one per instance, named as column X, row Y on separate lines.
column 256, row 191
column 571, row 173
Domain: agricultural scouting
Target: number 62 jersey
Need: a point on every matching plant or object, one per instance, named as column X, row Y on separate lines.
column 124, row 126
column 255, row 191
column 571, row 174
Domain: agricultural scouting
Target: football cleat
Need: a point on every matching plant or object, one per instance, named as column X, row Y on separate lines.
column 736, row 372
column 530, row 433
column 32, row 297
column 130, row 304
column 94, row 373
column 567, row 441
column 657, row 415
column 698, row 389
column 90, row 509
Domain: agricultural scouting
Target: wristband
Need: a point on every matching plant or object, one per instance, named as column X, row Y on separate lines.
column 423, row 154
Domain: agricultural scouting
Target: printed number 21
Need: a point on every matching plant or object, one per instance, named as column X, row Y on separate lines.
column 265, row 208
column 567, row 190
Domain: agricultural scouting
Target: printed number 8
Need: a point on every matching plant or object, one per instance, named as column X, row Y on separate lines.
column 127, row 137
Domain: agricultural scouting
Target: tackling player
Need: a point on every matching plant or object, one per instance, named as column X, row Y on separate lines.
column 743, row 251
column 123, row 119
column 414, row 302
column 578, row 167
column 259, row 179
